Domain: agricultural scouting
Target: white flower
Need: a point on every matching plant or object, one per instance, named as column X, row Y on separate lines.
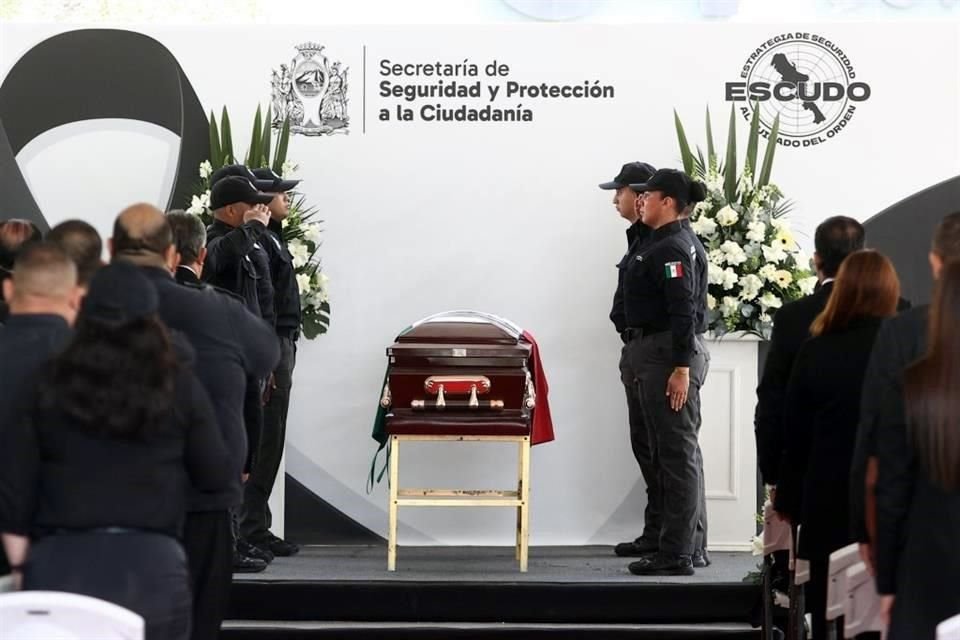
column 199, row 204
column 322, row 281
column 774, row 253
column 750, row 286
column 704, row 226
column 299, row 252
column 303, row 283
column 807, row 285
column 729, row 278
column 701, row 209
column 727, row 217
column 757, row 231
column 711, row 302
column 769, row 301
column 784, row 238
column 284, row 223
column 714, row 273
column 733, row 252
column 766, row 318
column 767, row 272
column 205, row 169
column 756, row 548
column 311, row 232
column 730, row 306
column 714, row 182
column 780, row 224
column 288, row 170
column 783, row 278
column 716, row 256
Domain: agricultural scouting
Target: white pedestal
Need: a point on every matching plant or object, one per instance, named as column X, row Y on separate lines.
column 728, row 444
column 277, row 498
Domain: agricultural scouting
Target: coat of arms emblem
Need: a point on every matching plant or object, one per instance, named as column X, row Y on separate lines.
column 312, row 92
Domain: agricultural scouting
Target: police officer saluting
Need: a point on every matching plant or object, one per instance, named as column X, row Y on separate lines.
column 662, row 305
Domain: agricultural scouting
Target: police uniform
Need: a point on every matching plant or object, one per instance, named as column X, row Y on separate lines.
column 700, row 557
column 648, row 541
column 664, row 310
column 257, row 518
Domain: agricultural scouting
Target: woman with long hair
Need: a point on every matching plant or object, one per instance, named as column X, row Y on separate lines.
column 99, row 470
column 822, row 411
column 918, row 484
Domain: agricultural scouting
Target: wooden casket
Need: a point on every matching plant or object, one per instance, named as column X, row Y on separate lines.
column 459, row 373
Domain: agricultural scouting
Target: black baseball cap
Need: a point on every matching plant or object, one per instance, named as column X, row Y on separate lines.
column 242, row 171
column 670, row 182
column 119, row 294
column 631, row 172
column 234, row 189
column 278, row 184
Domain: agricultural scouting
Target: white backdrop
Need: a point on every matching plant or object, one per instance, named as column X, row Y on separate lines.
column 502, row 217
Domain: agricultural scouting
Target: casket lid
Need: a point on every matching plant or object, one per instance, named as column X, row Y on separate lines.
column 462, row 327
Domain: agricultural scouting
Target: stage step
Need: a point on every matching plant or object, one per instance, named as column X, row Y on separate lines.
column 277, row 630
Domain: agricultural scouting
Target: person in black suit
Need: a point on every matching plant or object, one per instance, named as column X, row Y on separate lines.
column 834, row 240
column 918, row 451
column 99, row 466
column 901, row 341
column 232, row 344
column 44, row 300
column 190, row 239
column 821, row 414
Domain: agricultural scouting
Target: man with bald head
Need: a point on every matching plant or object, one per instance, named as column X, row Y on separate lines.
column 231, row 344
column 43, row 298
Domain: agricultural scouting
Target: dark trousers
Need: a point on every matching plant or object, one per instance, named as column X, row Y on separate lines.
column 257, row 519
column 209, row 547
column 143, row 572
column 673, row 440
column 643, row 452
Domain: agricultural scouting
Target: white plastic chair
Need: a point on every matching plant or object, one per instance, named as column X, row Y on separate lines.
column 862, row 610
column 949, row 629
column 840, row 561
column 52, row 615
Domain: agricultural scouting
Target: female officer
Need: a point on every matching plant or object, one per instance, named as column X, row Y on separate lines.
column 662, row 305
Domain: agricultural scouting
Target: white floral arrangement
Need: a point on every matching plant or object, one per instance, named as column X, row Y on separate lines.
column 302, row 230
column 754, row 263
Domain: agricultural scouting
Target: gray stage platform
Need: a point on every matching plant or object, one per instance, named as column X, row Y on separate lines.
column 477, row 564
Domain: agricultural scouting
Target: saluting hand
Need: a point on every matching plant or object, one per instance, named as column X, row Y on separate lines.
column 259, row 212
column 677, row 387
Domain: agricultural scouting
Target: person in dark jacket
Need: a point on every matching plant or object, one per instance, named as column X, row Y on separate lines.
column 627, row 201
column 918, row 488
column 901, row 341
column 821, row 414
column 232, row 344
column 44, row 300
column 257, row 519
column 236, row 260
column 918, row 451
column 190, row 239
column 834, row 239
column 669, row 359
column 99, row 468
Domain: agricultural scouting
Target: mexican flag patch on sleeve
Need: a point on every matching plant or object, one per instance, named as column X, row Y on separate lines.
column 673, row 270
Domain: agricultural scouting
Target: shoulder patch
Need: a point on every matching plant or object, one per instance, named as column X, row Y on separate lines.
column 673, row 270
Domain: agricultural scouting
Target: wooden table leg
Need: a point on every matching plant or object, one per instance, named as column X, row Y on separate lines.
column 524, row 502
column 394, row 489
